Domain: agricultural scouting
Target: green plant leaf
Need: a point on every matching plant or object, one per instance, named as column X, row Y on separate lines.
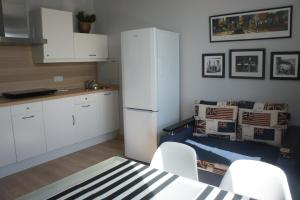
column 82, row 17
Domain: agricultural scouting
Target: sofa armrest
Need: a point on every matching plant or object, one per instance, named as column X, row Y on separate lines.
column 178, row 132
column 185, row 123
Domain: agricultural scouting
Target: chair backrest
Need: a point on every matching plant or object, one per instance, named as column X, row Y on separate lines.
column 176, row 158
column 256, row 179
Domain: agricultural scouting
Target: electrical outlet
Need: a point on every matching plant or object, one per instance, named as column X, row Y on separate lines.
column 59, row 78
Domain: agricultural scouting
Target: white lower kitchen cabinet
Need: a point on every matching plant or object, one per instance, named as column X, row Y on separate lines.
column 87, row 120
column 28, row 127
column 80, row 118
column 32, row 129
column 59, row 118
column 7, row 144
column 109, row 111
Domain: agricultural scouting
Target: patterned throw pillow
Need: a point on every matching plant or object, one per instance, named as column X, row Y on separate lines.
column 263, row 122
column 216, row 119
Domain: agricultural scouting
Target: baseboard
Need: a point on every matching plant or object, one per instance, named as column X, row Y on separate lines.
column 22, row 165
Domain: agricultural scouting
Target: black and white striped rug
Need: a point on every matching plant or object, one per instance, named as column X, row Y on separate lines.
column 132, row 180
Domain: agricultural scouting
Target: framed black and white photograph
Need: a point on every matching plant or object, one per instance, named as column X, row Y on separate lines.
column 213, row 65
column 285, row 65
column 247, row 63
column 268, row 23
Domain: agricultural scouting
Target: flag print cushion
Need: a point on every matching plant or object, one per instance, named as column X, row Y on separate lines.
column 271, row 136
column 216, row 119
column 263, row 122
column 264, row 114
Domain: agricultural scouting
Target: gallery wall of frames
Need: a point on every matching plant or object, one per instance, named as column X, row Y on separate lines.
column 272, row 23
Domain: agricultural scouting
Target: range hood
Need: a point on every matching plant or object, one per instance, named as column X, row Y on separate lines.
column 14, row 29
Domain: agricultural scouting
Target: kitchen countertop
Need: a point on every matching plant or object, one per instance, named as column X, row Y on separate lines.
column 56, row 95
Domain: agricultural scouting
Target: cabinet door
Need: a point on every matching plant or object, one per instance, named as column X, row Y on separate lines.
column 87, row 121
column 59, row 116
column 57, row 28
column 90, row 46
column 7, row 144
column 109, row 111
column 29, row 135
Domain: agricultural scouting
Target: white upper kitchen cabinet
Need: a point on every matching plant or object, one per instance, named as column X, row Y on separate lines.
column 7, row 144
column 28, row 129
column 90, row 47
column 109, row 111
column 60, row 122
column 57, row 28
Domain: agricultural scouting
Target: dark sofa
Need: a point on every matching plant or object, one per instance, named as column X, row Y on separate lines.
column 183, row 131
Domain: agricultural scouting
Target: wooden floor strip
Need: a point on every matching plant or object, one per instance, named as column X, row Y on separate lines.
column 16, row 185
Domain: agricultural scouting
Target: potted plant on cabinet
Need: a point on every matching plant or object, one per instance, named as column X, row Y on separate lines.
column 85, row 21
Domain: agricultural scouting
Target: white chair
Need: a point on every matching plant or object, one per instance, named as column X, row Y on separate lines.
column 256, row 179
column 176, row 158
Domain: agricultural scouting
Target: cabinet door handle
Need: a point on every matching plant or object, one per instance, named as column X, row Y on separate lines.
column 92, row 55
column 73, row 118
column 106, row 94
column 85, row 106
column 29, row 117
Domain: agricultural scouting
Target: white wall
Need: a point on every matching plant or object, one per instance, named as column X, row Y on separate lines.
column 190, row 19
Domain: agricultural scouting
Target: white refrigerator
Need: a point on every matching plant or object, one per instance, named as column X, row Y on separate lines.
column 150, row 87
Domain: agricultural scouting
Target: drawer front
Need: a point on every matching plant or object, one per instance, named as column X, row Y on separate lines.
column 25, row 109
column 84, row 99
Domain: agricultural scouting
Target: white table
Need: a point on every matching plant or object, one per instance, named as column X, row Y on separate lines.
column 119, row 178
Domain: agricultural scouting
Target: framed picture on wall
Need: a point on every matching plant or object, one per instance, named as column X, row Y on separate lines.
column 213, row 65
column 247, row 63
column 285, row 65
column 252, row 25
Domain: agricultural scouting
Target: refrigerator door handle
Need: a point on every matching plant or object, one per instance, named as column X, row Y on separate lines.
column 142, row 110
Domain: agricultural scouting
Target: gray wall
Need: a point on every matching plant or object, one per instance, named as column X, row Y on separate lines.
column 190, row 19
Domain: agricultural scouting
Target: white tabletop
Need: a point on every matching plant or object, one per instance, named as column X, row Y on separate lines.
column 140, row 175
